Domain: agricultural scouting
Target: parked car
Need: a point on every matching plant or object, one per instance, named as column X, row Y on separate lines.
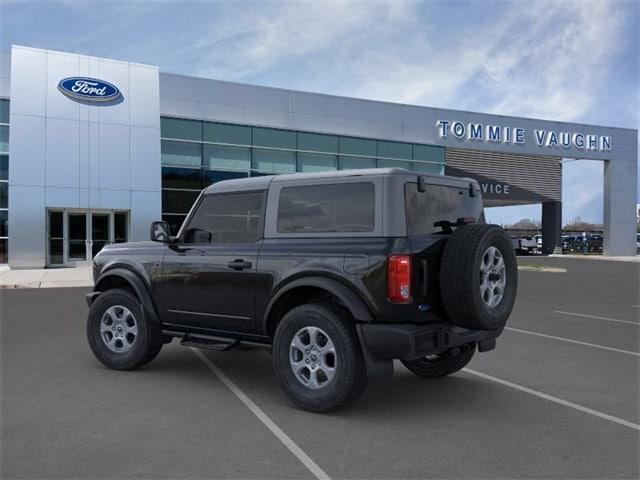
column 538, row 247
column 524, row 245
column 336, row 273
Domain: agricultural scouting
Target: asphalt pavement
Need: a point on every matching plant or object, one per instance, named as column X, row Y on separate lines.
column 558, row 398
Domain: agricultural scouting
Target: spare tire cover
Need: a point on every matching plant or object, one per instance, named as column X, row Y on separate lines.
column 479, row 277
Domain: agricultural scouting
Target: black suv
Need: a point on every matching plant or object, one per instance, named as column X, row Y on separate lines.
column 336, row 273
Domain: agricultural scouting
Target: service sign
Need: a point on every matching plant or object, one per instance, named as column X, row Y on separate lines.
column 88, row 89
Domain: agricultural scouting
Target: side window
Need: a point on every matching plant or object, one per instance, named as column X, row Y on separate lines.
column 337, row 208
column 226, row 218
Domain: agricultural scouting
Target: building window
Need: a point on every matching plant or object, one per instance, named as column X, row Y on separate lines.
column 225, row 133
column 4, row 181
column 183, row 178
column 274, row 138
column 358, row 146
column 346, row 163
column 181, row 154
column 316, row 162
column 178, row 201
column 4, row 111
column 383, row 163
column 394, row 150
column 273, row 161
column 212, row 176
column 316, row 142
column 196, row 154
column 181, row 129
column 227, row 158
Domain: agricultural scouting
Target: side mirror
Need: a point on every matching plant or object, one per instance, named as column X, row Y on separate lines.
column 159, row 232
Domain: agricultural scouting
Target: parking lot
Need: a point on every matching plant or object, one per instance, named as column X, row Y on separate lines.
column 559, row 397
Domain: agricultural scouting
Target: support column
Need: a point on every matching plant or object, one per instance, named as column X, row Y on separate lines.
column 620, row 192
column 551, row 227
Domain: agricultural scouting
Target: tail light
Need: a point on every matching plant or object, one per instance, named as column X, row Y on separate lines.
column 399, row 278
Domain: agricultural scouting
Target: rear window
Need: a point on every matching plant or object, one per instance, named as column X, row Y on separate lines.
column 337, row 208
column 436, row 204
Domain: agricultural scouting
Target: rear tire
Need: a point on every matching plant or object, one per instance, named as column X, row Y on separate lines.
column 437, row 366
column 119, row 335
column 317, row 357
column 479, row 277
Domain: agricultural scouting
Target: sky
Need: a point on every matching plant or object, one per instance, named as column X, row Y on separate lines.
column 558, row 60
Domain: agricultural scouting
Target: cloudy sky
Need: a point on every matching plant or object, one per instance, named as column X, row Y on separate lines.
column 561, row 60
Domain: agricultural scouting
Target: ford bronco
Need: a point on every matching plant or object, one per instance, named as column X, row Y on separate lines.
column 337, row 274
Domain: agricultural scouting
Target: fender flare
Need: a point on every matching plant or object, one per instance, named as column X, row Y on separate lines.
column 136, row 283
column 346, row 295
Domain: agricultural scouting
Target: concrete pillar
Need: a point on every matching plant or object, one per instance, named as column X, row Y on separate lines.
column 620, row 198
column 552, row 227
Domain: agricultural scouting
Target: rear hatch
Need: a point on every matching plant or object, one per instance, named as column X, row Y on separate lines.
column 434, row 208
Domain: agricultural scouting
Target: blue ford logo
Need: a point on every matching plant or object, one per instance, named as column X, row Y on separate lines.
column 89, row 89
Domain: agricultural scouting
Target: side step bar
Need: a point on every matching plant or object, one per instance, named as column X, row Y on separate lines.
column 211, row 342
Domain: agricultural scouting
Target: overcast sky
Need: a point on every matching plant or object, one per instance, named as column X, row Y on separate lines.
column 554, row 60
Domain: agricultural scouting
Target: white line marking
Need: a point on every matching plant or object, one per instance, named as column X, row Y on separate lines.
column 551, row 398
column 257, row 411
column 636, row 306
column 572, row 341
column 596, row 317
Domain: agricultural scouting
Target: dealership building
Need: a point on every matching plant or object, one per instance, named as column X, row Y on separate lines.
column 93, row 150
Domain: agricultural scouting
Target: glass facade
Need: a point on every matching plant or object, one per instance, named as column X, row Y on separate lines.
column 4, row 181
column 196, row 154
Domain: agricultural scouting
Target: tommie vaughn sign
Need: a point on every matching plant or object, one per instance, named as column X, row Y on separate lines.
column 88, row 89
column 478, row 132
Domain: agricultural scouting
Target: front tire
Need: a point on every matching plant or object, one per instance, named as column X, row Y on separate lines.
column 119, row 335
column 317, row 357
column 437, row 366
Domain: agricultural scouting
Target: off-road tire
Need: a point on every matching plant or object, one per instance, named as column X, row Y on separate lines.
column 445, row 364
column 147, row 343
column 460, row 277
column 350, row 378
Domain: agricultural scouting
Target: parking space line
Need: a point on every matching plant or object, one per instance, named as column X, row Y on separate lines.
column 563, row 339
column 557, row 400
column 257, row 411
column 573, row 314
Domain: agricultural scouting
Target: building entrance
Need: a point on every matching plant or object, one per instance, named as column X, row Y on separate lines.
column 74, row 237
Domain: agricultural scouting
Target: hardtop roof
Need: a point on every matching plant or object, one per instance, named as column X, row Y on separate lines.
column 263, row 182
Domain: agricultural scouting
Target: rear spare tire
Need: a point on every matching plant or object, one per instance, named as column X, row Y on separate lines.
column 479, row 277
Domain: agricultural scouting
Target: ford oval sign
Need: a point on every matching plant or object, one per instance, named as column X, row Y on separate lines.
column 88, row 89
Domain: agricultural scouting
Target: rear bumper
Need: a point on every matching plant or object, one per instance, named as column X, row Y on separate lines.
column 409, row 342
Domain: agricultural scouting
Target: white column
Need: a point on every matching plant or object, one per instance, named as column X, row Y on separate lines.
column 620, row 199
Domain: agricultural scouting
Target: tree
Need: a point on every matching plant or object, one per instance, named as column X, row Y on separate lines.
column 524, row 224
column 579, row 225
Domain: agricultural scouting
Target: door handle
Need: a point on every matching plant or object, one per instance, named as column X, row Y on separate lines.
column 239, row 264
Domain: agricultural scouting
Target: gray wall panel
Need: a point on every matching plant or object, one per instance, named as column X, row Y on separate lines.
column 27, row 235
column 79, row 155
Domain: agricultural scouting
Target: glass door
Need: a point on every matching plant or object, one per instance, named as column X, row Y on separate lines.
column 77, row 241
column 100, row 232
column 56, row 238
column 76, row 236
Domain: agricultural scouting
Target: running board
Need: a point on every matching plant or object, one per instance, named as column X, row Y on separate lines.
column 211, row 342
column 217, row 344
